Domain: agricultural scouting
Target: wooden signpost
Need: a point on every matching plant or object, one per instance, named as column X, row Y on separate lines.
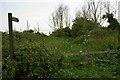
column 10, row 19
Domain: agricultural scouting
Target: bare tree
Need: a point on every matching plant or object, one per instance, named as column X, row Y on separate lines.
column 60, row 18
column 91, row 10
column 94, row 10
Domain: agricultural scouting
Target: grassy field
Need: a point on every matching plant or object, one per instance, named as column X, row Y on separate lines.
column 63, row 56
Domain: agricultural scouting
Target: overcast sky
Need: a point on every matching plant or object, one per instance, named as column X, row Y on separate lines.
column 35, row 11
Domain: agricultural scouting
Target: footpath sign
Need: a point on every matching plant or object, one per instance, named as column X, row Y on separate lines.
column 10, row 19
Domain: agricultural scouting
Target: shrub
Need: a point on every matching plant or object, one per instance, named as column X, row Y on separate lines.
column 32, row 62
column 8, row 68
column 63, row 33
column 81, row 26
column 30, row 31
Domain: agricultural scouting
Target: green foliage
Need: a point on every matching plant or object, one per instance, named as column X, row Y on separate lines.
column 30, row 31
column 114, row 24
column 31, row 59
column 81, row 26
column 31, row 62
column 97, row 42
column 8, row 68
column 63, row 33
column 38, row 56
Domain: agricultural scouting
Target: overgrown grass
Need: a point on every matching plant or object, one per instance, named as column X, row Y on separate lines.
column 34, row 47
column 97, row 66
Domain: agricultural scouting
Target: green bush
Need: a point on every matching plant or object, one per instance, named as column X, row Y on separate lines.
column 32, row 62
column 29, row 31
column 81, row 26
column 63, row 33
column 93, row 42
column 8, row 68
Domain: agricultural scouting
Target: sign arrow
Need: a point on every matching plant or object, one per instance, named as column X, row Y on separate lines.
column 15, row 19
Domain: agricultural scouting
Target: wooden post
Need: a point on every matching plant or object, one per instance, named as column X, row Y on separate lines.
column 10, row 19
column 11, row 36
